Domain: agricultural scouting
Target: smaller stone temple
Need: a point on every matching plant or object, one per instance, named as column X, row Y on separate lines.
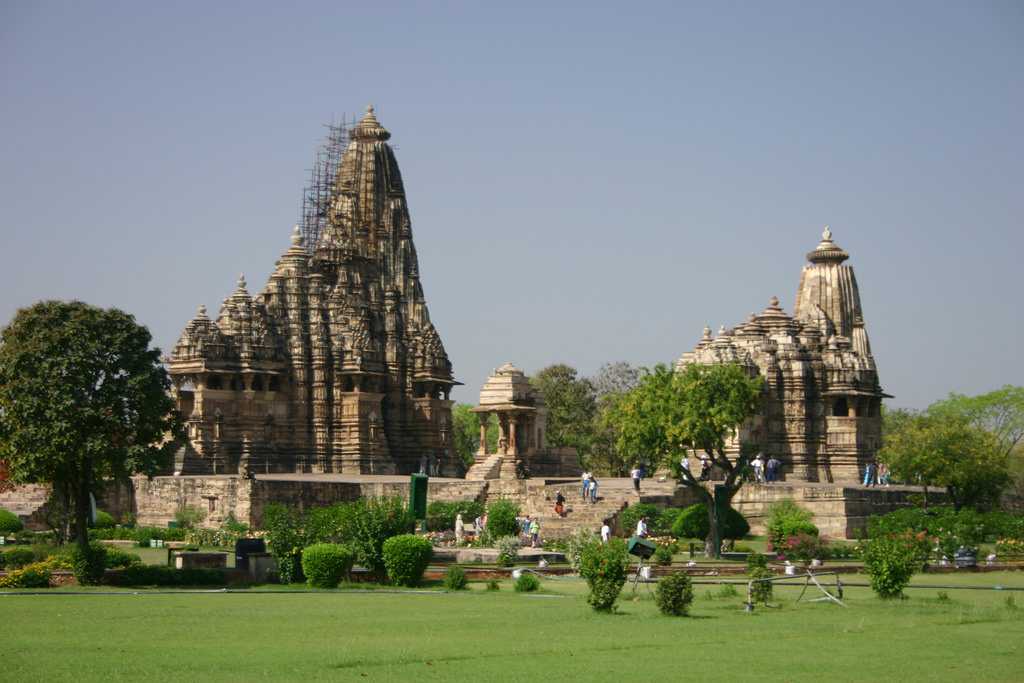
column 821, row 411
column 522, row 420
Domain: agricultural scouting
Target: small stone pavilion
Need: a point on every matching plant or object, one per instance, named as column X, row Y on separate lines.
column 522, row 420
column 821, row 410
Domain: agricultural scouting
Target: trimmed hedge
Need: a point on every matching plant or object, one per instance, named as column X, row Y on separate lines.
column 326, row 564
column 104, row 520
column 406, row 558
column 15, row 558
column 527, row 583
column 693, row 522
column 118, row 559
column 161, row 575
column 10, row 523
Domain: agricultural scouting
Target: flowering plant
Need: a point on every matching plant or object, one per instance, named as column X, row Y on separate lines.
column 1013, row 547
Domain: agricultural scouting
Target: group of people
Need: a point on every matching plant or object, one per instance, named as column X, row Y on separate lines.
column 876, row 475
column 589, row 487
column 765, row 472
column 529, row 530
column 705, row 467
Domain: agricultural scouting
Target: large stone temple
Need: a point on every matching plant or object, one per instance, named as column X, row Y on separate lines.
column 334, row 366
column 821, row 410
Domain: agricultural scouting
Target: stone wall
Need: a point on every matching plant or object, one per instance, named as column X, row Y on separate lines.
column 159, row 498
column 839, row 511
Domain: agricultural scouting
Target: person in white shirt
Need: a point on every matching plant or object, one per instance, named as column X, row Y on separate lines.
column 606, row 532
column 635, row 474
column 758, row 465
column 641, row 528
column 684, row 464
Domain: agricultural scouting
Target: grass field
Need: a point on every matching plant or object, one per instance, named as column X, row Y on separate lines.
column 505, row 636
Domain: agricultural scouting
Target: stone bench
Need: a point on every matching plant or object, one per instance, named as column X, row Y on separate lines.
column 199, row 560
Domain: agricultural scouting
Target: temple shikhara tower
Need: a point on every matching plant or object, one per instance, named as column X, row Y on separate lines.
column 822, row 398
column 334, row 366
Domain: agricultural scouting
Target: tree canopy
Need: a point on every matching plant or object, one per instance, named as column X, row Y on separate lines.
column 571, row 407
column 83, row 400
column 466, row 429
column 698, row 408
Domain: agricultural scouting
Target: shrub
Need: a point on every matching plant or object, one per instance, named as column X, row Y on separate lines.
column 527, row 583
column 891, row 561
column 760, row 591
column 223, row 536
column 161, row 575
column 285, row 539
column 10, row 523
column 441, row 515
column 663, row 554
column 455, row 578
column 493, row 585
column 89, row 563
column 693, row 522
column 665, row 520
column 756, row 561
column 104, row 520
column 16, row 558
column 406, row 558
column 189, row 517
column 371, row 523
column 35, row 575
column 629, row 517
column 805, row 547
column 118, row 559
column 508, row 550
column 674, row 594
column 326, row 564
column 785, row 519
column 604, row 566
column 574, row 546
column 501, row 519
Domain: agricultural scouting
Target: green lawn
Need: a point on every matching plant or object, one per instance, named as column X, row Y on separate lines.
column 506, row 636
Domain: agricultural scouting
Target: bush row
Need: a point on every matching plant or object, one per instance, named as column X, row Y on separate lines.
column 441, row 515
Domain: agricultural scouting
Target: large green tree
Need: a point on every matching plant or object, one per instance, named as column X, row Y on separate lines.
column 612, row 382
column 945, row 450
column 83, row 400
column 698, row 409
column 571, row 406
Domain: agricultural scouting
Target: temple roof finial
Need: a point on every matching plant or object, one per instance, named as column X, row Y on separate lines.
column 201, row 311
column 241, row 281
column 297, row 236
column 827, row 251
column 369, row 127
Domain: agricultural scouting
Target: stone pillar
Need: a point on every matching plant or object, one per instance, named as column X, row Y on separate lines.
column 513, row 447
column 502, row 434
column 483, row 417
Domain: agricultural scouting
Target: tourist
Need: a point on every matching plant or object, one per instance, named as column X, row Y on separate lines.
column 641, row 527
column 684, row 467
column 585, row 491
column 524, row 526
column 606, row 532
column 758, row 465
column 478, row 525
column 705, row 467
column 559, row 504
column 460, row 528
column 773, row 468
column 636, row 474
column 534, row 532
column 593, row 489
column 883, row 474
column 869, row 474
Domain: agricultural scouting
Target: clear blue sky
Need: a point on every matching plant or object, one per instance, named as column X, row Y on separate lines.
column 587, row 183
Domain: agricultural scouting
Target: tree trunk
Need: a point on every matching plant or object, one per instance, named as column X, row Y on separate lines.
column 83, row 511
column 925, row 496
column 715, row 533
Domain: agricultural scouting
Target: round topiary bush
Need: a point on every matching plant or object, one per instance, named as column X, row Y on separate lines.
column 693, row 523
column 501, row 519
column 455, row 578
column 10, row 523
column 663, row 554
column 326, row 564
column 604, row 566
column 104, row 520
column 674, row 594
column 527, row 583
column 88, row 564
column 406, row 558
